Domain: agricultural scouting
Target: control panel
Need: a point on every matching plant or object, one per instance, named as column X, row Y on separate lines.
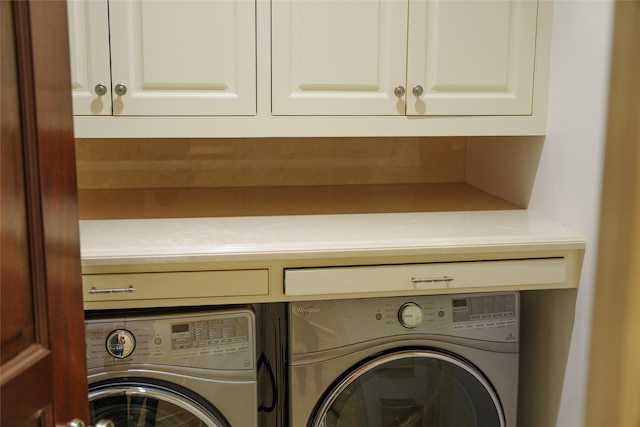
column 489, row 317
column 225, row 340
column 441, row 313
column 484, row 311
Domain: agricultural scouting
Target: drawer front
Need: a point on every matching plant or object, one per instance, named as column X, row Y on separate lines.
column 174, row 285
column 423, row 277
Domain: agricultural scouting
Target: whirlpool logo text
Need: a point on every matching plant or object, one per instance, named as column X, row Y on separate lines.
column 307, row 309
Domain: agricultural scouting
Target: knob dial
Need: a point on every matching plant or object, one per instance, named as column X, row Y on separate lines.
column 410, row 315
column 120, row 343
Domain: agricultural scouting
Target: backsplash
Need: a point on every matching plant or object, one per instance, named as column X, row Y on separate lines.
column 166, row 178
column 224, row 163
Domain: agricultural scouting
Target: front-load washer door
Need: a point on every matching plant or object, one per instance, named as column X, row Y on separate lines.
column 410, row 388
column 151, row 404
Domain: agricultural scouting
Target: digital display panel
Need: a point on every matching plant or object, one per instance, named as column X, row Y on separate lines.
column 181, row 327
column 457, row 303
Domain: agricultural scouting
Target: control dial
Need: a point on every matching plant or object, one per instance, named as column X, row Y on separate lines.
column 120, row 343
column 410, row 315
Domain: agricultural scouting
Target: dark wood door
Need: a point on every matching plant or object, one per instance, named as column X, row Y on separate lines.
column 43, row 367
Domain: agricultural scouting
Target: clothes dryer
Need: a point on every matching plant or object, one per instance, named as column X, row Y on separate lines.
column 193, row 368
column 443, row 360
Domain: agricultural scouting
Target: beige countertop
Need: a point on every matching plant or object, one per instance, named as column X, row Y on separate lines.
column 229, row 260
column 260, row 237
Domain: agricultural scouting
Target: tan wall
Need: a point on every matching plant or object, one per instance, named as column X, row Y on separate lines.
column 147, row 178
column 197, row 163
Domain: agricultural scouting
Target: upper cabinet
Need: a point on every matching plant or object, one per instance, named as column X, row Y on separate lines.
column 162, row 58
column 472, row 57
column 414, row 57
column 338, row 57
column 297, row 68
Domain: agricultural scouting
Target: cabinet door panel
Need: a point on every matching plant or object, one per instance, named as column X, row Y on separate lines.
column 472, row 57
column 89, row 56
column 184, row 57
column 338, row 57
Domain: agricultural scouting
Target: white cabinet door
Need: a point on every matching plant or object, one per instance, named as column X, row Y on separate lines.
column 338, row 57
column 346, row 57
column 471, row 57
column 89, row 56
column 191, row 58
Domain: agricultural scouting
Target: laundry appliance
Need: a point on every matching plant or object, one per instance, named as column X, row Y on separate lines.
column 439, row 360
column 173, row 368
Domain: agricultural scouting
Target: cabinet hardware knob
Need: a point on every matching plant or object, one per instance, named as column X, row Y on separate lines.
column 418, row 91
column 399, row 91
column 100, row 89
column 120, row 89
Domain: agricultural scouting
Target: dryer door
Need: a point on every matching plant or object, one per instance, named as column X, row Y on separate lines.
column 411, row 388
column 149, row 404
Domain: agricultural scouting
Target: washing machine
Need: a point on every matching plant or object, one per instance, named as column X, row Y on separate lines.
column 178, row 368
column 442, row 360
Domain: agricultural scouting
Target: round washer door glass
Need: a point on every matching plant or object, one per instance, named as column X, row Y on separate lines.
column 149, row 405
column 411, row 388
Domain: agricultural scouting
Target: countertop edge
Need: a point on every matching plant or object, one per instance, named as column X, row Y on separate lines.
column 115, row 242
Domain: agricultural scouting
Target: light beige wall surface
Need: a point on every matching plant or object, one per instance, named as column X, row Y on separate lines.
column 504, row 166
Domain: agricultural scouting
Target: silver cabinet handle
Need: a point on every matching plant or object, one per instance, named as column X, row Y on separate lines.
column 93, row 290
column 444, row 278
column 399, row 91
column 120, row 89
column 100, row 89
column 79, row 423
column 418, row 91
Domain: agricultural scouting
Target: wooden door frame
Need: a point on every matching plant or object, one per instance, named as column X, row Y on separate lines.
column 614, row 373
column 58, row 385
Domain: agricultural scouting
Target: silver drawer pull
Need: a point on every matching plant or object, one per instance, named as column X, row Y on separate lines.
column 112, row 290
column 444, row 278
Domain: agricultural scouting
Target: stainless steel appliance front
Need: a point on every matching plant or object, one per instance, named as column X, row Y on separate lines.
column 405, row 361
column 195, row 368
